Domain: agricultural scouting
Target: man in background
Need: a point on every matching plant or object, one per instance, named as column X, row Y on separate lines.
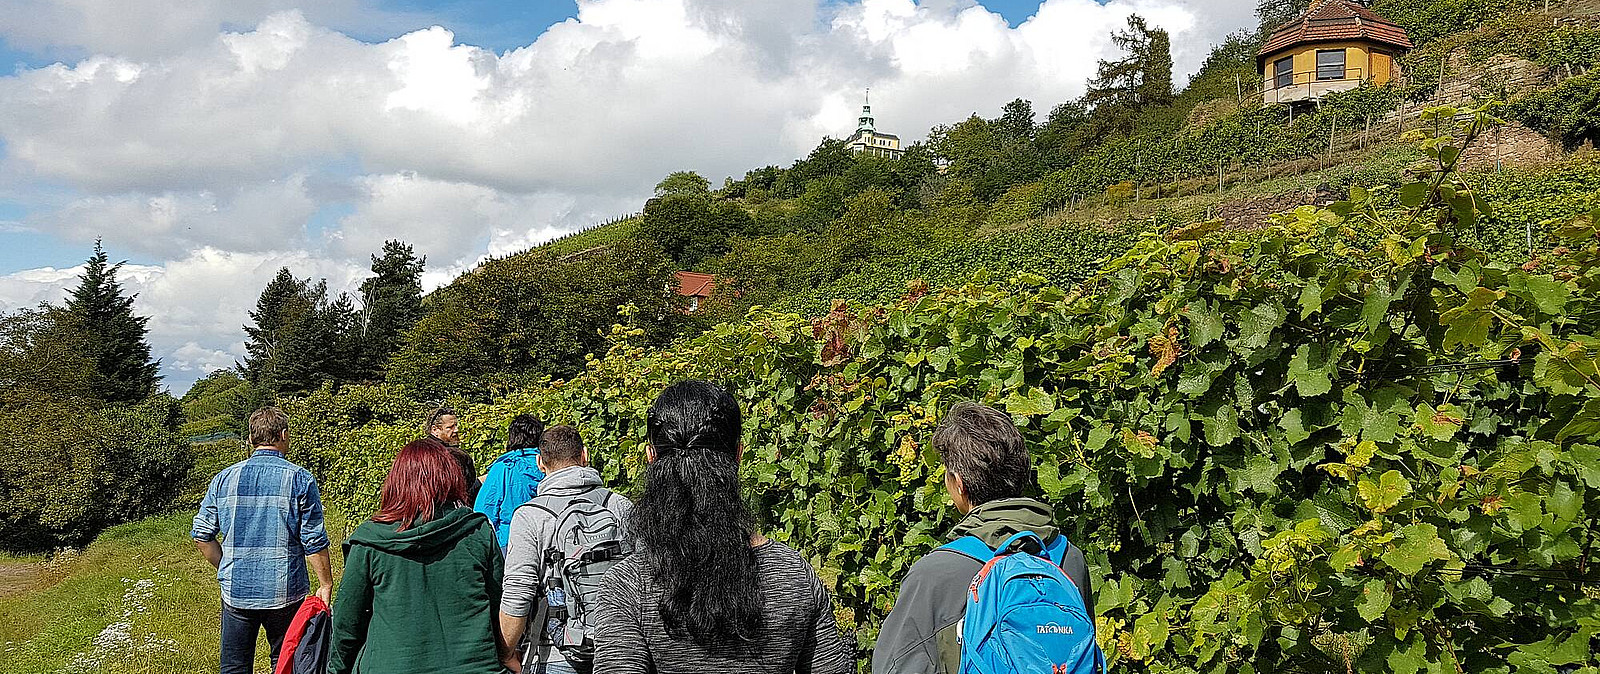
column 445, row 426
column 988, row 472
column 514, row 477
column 260, row 525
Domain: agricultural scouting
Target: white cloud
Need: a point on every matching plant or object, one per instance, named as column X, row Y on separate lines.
column 253, row 217
column 197, row 305
column 630, row 90
column 151, row 28
column 228, row 154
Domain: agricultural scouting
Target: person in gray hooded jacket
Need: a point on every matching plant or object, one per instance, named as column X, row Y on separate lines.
column 987, row 472
column 565, row 463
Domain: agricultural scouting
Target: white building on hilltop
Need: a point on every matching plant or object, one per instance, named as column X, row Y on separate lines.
column 867, row 140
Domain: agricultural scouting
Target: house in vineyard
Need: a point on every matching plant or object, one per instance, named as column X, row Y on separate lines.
column 1336, row 45
column 695, row 287
column 867, row 140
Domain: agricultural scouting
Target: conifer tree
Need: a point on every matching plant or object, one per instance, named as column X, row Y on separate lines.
column 1156, row 89
column 1143, row 76
column 391, row 302
column 124, row 371
column 298, row 339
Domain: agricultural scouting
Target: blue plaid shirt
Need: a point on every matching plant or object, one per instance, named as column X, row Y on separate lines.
column 269, row 516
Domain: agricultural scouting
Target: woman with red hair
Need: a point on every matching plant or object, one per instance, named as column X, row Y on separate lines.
column 421, row 578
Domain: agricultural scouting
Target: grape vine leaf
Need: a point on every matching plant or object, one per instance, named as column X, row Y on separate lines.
column 1308, row 370
column 1584, row 424
column 1029, row 401
column 1564, row 503
column 1385, row 494
column 1543, row 291
column 1408, row 658
column 1098, row 436
column 1294, row 429
column 1205, row 324
column 1222, row 427
column 1375, row 599
column 1439, row 423
column 1419, row 545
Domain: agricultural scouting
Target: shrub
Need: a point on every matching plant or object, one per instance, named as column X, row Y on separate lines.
column 1570, row 112
column 66, row 473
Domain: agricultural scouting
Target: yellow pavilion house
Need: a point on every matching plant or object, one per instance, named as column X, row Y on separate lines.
column 1336, row 45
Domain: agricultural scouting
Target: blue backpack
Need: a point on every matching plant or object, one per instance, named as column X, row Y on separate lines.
column 1023, row 613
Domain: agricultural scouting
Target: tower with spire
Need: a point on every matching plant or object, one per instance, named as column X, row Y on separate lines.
column 868, row 141
column 864, row 123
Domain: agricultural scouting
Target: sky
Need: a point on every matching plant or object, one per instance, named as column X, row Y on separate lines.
column 211, row 142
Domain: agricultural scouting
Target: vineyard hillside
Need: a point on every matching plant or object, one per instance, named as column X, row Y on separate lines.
column 1314, row 388
column 1343, row 441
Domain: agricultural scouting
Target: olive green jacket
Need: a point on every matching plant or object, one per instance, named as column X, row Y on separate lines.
column 920, row 635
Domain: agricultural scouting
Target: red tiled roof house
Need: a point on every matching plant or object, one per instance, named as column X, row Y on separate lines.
column 1336, row 45
column 695, row 286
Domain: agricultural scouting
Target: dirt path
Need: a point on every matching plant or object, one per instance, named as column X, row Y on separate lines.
column 16, row 578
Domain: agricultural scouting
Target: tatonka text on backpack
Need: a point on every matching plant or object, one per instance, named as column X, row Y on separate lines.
column 1023, row 613
column 587, row 541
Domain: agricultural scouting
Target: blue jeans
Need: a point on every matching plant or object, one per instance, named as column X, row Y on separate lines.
column 558, row 665
column 239, row 628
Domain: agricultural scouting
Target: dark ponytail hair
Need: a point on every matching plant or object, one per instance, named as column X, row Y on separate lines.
column 691, row 526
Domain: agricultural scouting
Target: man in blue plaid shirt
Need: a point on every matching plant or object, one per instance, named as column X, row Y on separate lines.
column 268, row 516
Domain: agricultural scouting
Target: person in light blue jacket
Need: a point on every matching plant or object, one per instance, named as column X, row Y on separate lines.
column 514, row 477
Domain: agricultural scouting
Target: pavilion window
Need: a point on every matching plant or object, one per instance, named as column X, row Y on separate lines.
column 1283, row 72
column 1330, row 65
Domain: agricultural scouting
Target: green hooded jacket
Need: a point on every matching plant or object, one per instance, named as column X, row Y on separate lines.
column 419, row 600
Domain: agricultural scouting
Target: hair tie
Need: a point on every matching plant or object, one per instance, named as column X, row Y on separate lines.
column 683, row 450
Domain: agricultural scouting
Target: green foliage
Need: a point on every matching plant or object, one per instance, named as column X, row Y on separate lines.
column 1248, row 434
column 1273, row 14
column 73, row 464
column 1227, row 69
column 1143, row 76
column 1533, row 201
column 991, row 155
column 692, row 227
column 391, row 302
column 348, row 438
column 68, row 469
column 1429, row 20
column 209, row 459
column 1569, row 112
column 298, row 338
column 683, row 183
column 596, row 236
column 122, row 369
column 512, row 320
column 219, row 404
column 45, row 352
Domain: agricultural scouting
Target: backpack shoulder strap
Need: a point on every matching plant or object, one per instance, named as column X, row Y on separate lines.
column 1057, row 548
column 970, row 546
column 537, row 506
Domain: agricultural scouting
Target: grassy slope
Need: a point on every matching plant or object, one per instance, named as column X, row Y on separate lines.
column 599, row 236
column 139, row 600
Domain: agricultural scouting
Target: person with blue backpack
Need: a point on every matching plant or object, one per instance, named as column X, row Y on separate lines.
column 1009, row 593
column 513, row 478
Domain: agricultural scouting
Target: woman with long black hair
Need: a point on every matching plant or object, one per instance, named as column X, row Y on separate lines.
column 704, row 590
